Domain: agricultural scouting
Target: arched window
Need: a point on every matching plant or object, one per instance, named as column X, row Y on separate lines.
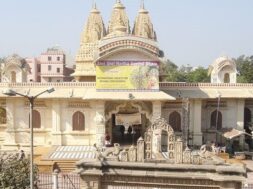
column 226, row 78
column 2, row 116
column 13, row 77
column 215, row 121
column 36, row 119
column 175, row 121
column 78, row 121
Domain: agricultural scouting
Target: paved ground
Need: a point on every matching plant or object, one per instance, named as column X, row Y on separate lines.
column 249, row 164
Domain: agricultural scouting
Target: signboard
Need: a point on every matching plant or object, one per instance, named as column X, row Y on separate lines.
column 127, row 75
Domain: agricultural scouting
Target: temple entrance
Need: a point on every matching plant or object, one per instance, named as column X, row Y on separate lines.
column 127, row 123
column 128, row 128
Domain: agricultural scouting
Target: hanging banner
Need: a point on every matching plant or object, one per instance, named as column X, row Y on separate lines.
column 127, row 75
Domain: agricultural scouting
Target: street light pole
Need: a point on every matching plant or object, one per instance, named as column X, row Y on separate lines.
column 31, row 99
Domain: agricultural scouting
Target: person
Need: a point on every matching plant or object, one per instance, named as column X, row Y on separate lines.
column 107, row 140
column 122, row 130
column 21, row 155
column 129, row 130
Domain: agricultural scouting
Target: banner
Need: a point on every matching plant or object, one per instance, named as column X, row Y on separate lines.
column 127, row 75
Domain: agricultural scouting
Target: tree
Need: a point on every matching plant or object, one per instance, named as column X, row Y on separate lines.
column 198, row 75
column 245, row 69
column 14, row 171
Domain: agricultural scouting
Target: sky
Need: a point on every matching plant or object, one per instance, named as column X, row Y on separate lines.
column 193, row 32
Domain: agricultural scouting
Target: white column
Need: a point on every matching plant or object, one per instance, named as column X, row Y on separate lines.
column 240, row 114
column 240, row 118
column 157, row 110
column 99, row 120
column 195, row 122
column 10, row 135
column 56, row 123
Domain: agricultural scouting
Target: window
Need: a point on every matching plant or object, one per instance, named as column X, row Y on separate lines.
column 58, row 70
column 36, row 119
column 175, row 121
column 78, row 121
column 226, row 78
column 49, row 67
column 216, row 122
column 13, row 77
column 49, row 58
column 38, row 68
column 58, row 58
column 3, row 119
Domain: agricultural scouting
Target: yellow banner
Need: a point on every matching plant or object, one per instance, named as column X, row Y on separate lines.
column 116, row 75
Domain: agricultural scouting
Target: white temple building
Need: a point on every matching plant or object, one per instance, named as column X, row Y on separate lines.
column 117, row 84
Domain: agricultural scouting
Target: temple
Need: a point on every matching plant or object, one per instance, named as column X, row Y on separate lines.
column 117, row 95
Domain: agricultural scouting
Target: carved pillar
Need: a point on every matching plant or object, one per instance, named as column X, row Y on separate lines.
column 185, row 120
column 10, row 134
column 157, row 110
column 56, row 123
column 148, row 141
column 196, row 122
column 179, row 151
column 100, row 123
column 140, row 150
column 171, row 146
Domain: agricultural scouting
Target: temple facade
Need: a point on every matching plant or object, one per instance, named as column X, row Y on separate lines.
column 117, row 95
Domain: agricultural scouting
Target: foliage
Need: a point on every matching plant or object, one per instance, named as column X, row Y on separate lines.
column 184, row 74
column 245, row 69
column 198, row 75
column 14, row 171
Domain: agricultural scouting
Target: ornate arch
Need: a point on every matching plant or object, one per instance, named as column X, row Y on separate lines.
column 154, row 140
column 214, row 120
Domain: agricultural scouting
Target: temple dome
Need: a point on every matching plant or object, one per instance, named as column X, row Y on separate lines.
column 143, row 26
column 94, row 29
column 119, row 23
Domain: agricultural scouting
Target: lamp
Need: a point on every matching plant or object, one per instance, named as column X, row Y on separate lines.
column 10, row 92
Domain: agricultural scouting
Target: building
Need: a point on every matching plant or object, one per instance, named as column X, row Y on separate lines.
column 117, row 84
column 48, row 67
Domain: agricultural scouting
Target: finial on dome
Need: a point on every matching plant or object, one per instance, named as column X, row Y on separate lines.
column 94, row 5
column 118, row 1
column 142, row 4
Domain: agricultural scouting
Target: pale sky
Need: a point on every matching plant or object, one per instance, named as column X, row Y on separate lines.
column 191, row 32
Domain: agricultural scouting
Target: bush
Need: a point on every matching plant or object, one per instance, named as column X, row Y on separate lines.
column 15, row 171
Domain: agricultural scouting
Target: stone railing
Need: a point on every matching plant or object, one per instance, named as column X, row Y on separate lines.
column 49, row 84
column 164, row 85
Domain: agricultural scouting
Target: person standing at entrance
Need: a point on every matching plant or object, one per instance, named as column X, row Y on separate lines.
column 122, row 131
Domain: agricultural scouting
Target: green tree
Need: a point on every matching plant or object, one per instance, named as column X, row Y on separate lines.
column 198, row 75
column 245, row 69
column 14, row 171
